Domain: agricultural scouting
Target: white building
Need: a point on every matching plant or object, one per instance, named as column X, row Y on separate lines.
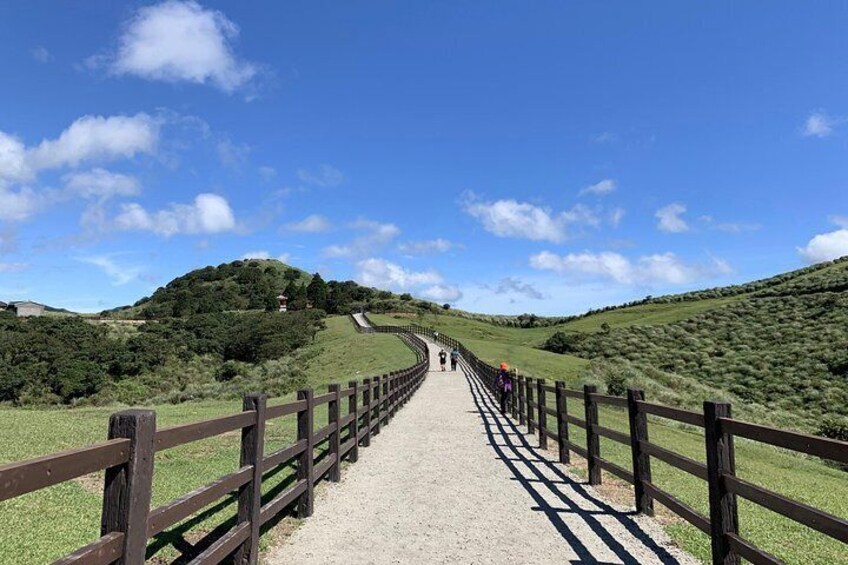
column 25, row 308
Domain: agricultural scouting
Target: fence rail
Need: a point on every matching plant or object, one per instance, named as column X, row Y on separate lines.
column 127, row 458
column 529, row 407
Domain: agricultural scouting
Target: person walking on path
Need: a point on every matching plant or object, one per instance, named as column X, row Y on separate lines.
column 505, row 381
column 443, row 358
column 454, row 358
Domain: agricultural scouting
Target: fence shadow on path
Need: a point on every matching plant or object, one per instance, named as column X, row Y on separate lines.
column 513, row 449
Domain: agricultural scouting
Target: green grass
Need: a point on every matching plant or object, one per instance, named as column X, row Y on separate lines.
column 799, row 478
column 640, row 315
column 495, row 344
column 44, row 525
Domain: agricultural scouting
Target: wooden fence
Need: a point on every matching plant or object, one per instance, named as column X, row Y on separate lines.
column 127, row 458
column 531, row 408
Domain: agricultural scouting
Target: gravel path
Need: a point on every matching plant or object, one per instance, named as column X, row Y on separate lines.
column 452, row 481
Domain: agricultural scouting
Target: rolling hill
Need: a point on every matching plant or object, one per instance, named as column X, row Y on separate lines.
column 254, row 284
column 777, row 347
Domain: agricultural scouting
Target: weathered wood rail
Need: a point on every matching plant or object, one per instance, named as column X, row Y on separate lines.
column 530, row 407
column 127, row 458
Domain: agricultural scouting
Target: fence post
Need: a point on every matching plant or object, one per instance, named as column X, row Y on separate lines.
column 394, row 383
column 720, row 461
column 377, row 399
column 385, row 398
column 305, row 461
column 562, row 423
column 335, row 451
column 541, row 398
column 641, row 460
column 593, row 441
column 353, row 427
column 127, row 488
column 530, row 428
column 250, row 494
column 366, row 403
column 521, row 403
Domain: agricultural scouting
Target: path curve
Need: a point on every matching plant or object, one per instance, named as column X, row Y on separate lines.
column 452, row 481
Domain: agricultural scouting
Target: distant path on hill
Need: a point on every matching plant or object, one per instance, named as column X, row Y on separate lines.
column 452, row 481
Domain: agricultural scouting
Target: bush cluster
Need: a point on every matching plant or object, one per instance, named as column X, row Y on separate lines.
column 62, row 360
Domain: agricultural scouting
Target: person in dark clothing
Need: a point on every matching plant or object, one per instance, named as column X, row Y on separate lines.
column 454, row 358
column 443, row 358
column 505, row 382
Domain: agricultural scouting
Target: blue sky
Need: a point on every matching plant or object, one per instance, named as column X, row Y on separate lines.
column 504, row 157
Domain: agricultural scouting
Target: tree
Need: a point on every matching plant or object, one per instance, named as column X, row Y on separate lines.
column 446, row 306
column 317, row 292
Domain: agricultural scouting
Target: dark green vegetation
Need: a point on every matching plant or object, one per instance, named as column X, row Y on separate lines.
column 64, row 360
column 254, row 285
column 42, row 526
column 212, row 333
column 801, row 281
column 781, row 344
column 776, row 348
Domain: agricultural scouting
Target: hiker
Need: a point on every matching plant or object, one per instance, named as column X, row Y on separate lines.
column 443, row 358
column 505, row 380
column 454, row 358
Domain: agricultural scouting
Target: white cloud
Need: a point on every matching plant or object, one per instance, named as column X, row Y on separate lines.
column 605, row 137
column 119, row 274
column 232, row 154
column 8, row 241
column 381, row 273
column 616, row 216
column 820, row 125
column 324, row 176
column 510, row 218
column 283, row 258
column 96, row 138
column 826, row 246
column 100, row 183
column 601, row 188
column 661, row 268
column 13, row 267
column 427, row 247
column 19, row 204
column 841, row 221
column 181, row 42
column 310, row 224
column 442, row 293
column 41, row 54
column 13, row 159
column 267, row 173
column 510, row 285
column 209, row 213
column 377, row 235
column 671, row 220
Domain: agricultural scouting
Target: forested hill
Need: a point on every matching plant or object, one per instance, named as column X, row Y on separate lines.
column 780, row 343
column 254, row 285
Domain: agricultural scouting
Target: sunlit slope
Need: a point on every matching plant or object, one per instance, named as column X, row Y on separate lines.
column 44, row 525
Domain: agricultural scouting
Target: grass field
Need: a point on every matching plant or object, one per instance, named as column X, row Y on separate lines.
column 804, row 479
column 44, row 525
column 644, row 314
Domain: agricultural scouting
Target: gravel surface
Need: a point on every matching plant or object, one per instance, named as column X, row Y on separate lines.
column 452, row 481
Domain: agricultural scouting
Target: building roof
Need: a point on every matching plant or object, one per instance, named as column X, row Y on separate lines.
column 17, row 303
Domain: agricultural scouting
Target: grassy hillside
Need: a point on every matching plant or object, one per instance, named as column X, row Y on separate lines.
column 778, row 347
column 786, row 473
column 42, row 526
